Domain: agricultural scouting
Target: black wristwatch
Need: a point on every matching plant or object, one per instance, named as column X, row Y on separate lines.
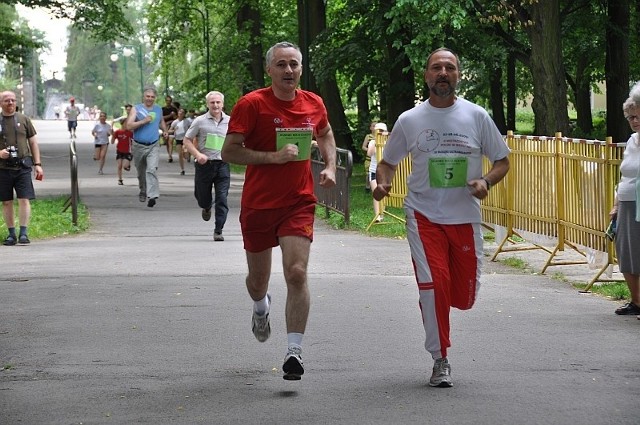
column 38, row 164
column 487, row 182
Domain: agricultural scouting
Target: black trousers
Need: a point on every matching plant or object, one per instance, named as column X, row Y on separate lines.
column 213, row 175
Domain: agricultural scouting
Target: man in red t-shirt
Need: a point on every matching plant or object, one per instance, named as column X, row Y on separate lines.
column 123, row 148
column 271, row 131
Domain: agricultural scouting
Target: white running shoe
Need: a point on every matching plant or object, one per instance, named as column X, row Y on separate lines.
column 292, row 367
column 441, row 376
column 260, row 325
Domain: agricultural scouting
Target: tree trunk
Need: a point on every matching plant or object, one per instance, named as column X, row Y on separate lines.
column 511, row 92
column 497, row 105
column 616, row 68
column 311, row 22
column 401, row 88
column 305, row 38
column 248, row 20
column 364, row 120
column 582, row 96
column 549, row 85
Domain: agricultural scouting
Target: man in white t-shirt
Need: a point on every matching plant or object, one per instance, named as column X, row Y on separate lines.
column 72, row 112
column 447, row 137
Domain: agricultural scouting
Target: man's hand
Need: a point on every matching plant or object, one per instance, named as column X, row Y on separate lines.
column 478, row 188
column 288, row 153
column 328, row 178
column 381, row 191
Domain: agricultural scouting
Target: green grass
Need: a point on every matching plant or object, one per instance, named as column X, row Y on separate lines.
column 516, row 263
column 613, row 290
column 525, row 123
column 617, row 290
column 48, row 220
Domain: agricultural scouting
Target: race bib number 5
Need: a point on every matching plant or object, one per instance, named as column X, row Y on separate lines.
column 445, row 173
column 301, row 137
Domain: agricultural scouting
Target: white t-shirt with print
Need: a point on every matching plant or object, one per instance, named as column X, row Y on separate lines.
column 446, row 147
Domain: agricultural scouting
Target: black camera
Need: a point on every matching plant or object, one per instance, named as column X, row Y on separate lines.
column 13, row 160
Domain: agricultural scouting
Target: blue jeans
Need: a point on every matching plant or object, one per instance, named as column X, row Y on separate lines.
column 213, row 175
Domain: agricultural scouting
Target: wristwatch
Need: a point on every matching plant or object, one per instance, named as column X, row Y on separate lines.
column 487, row 182
column 38, row 164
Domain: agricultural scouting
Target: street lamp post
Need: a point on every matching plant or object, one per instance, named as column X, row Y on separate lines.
column 127, row 51
column 140, row 66
column 114, row 57
column 34, row 58
column 206, row 39
column 34, row 87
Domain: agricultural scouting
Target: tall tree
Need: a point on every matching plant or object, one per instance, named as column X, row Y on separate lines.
column 249, row 22
column 311, row 23
column 16, row 41
column 583, row 55
column 547, row 66
column 617, row 67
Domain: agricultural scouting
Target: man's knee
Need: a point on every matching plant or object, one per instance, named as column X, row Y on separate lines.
column 296, row 275
column 257, row 281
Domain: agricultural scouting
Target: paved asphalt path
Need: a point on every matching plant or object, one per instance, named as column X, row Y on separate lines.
column 145, row 319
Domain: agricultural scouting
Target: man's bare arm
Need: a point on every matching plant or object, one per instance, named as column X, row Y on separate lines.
column 384, row 178
column 327, row 146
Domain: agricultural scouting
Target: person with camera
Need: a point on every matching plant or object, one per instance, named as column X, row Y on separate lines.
column 19, row 154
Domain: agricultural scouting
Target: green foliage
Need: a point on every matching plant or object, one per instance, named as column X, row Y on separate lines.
column 363, row 41
column 182, row 52
column 104, row 20
column 95, row 79
column 16, row 40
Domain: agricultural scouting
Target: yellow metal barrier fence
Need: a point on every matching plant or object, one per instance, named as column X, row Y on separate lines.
column 558, row 188
column 399, row 190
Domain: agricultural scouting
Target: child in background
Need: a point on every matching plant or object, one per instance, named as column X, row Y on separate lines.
column 371, row 152
column 123, row 148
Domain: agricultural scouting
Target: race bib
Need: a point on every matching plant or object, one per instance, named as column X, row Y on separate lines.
column 448, row 172
column 141, row 113
column 214, row 142
column 301, row 137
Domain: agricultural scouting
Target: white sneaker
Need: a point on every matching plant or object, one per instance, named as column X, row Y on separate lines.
column 260, row 325
column 441, row 376
column 292, row 367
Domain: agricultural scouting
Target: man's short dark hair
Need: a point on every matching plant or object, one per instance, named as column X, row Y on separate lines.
column 444, row 49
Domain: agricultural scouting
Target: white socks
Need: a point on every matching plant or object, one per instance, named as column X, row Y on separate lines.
column 261, row 307
column 295, row 340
